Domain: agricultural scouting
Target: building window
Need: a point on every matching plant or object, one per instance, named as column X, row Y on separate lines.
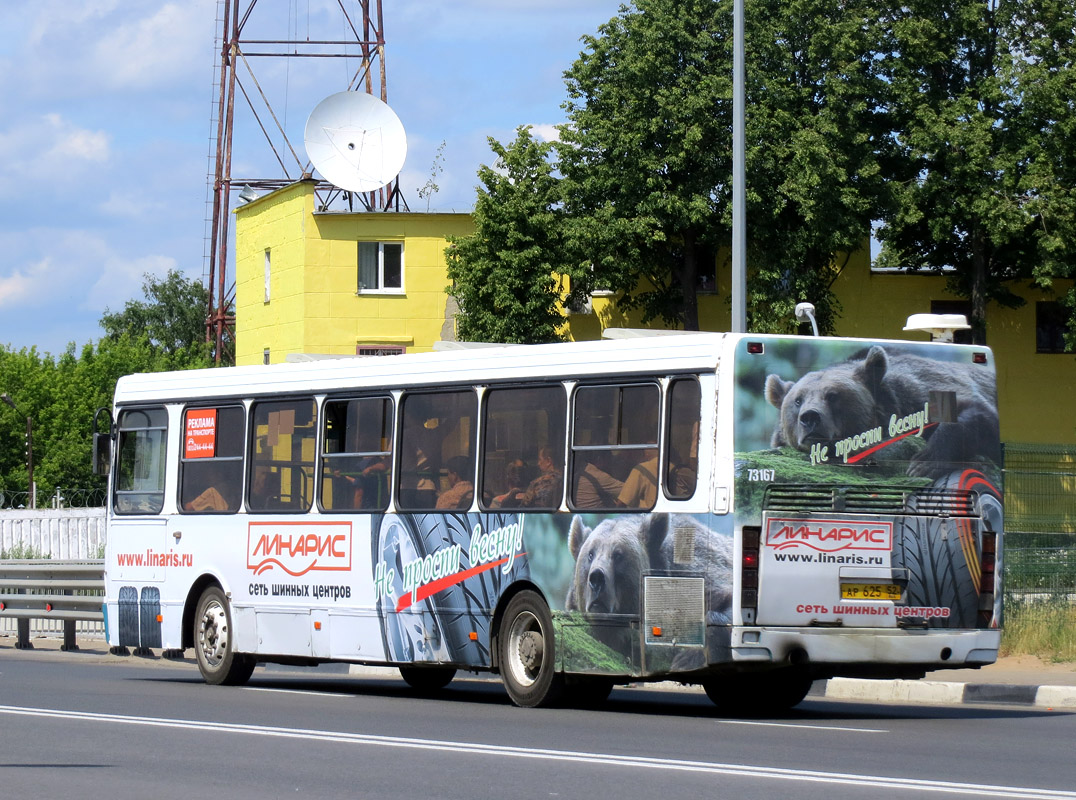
column 380, row 350
column 267, row 271
column 1051, row 319
column 380, row 267
column 265, row 356
column 706, row 270
column 954, row 307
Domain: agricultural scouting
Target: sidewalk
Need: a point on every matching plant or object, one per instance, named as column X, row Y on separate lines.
column 1019, row 680
column 1016, row 680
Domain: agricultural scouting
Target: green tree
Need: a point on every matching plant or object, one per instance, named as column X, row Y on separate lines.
column 816, row 147
column 172, row 317
column 61, row 395
column 647, row 152
column 505, row 276
column 1044, row 43
column 982, row 113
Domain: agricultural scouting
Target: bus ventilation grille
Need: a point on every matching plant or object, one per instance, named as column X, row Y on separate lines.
column 674, row 610
column 861, row 500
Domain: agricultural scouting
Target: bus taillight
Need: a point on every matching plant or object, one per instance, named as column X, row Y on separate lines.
column 749, row 572
column 987, row 565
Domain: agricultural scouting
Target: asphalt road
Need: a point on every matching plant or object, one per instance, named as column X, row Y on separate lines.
column 109, row 727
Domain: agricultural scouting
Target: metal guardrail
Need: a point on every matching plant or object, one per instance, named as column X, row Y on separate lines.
column 44, row 589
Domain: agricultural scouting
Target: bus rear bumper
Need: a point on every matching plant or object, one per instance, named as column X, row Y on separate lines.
column 927, row 649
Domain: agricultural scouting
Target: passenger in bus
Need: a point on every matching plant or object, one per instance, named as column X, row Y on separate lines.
column 594, row 486
column 211, row 498
column 640, row 489
column 513, row 478
column 417, row 487
column 544, row 491
column 460, row 491
column 366, row 487
column 261, row 496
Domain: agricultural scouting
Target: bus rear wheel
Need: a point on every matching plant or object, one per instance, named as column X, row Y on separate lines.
column 214, row 645
column 427, row 679
column 759, row 693
column 527, row 650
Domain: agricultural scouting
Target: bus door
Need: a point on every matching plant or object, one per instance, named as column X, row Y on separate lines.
column 137, row 535
column 834, row 557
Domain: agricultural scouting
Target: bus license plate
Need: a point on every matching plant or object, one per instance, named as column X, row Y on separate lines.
column 870, row 591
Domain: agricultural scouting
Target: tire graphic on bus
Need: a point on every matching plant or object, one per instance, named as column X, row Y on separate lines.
column 942, row 555
column 128, row 616
column 438, row 628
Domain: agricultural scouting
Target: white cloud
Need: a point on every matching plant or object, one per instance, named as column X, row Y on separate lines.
column 18, row 287
column 156, row 48
column 131, row 204
column 48, row 147
column 73, row 143
column 545, row 132
column 121, row 279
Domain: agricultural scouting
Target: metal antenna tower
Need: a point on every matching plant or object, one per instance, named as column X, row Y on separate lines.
column 361, row 39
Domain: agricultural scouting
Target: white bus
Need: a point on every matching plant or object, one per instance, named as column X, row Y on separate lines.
column 745, row 512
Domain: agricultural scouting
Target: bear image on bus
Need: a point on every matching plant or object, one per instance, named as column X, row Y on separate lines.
column 874, row 388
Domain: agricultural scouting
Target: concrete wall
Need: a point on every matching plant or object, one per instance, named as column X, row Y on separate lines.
column 67, row 533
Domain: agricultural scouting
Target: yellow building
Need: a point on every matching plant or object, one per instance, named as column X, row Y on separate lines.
column 331, row 283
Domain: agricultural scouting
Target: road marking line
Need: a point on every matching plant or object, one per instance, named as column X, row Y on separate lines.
column 808, row 726
column 563, row 756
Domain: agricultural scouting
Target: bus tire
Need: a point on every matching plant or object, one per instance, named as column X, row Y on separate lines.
column 214, row 645
column 758, row 693
column 427, row 679
column 587, row 691
column 527, row 649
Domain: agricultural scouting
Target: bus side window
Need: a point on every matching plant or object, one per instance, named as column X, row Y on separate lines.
column 140, row 462
column 356, row 461
column 614, row 461
column 434, row 428
column 682, row 412
column 522, row 447
column 211, row 463
column 284, row 436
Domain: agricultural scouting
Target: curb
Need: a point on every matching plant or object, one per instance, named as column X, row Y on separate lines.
column 947, row 693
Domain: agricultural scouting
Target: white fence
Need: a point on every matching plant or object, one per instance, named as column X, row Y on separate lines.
column 62, row 534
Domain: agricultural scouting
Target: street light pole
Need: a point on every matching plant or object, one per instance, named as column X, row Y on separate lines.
column 739, row 192
column 29, row 448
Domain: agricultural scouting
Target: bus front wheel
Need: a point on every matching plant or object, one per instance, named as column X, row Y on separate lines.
column 214, row 644
column 527, row 652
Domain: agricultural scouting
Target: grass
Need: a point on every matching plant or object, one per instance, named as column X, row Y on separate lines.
column 1046, row 630
column 23, row 551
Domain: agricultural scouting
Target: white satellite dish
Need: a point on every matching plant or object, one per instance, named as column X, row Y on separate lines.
column 356, row 141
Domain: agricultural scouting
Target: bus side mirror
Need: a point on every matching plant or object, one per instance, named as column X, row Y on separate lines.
column 102, row 444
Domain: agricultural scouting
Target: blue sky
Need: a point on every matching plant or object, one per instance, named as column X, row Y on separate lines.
column 105, row 120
